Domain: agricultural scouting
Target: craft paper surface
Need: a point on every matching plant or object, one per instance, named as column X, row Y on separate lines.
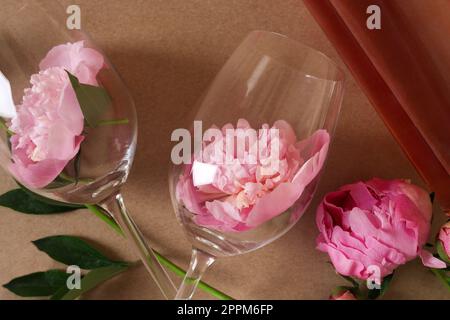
column 168, row 52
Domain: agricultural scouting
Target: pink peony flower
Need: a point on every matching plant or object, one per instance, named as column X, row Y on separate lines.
column 240, row 195
column 49, row 122
column 444, row 237
column 377, row 223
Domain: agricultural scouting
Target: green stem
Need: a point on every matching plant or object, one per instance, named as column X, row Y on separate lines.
column 109, row 221
column 73, row 180
column 181, row 273
column 113, row 122
column 5, row 127
column 441, row 276
column 163, row 260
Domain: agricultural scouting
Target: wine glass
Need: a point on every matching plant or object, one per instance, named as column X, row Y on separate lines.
column 69, row 122
column 260, row 138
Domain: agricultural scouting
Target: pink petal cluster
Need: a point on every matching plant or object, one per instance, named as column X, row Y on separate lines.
column 444, row 237
column 377, row 223
column 49, row 122
column 343, row 295
column 239, row 195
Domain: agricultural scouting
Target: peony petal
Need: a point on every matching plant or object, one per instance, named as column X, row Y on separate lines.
column 85, row 75
column 84, row 63
column 242, row 124
column 186, row 193
column 227, row 127
column 59, row 56
column 37, row 175
column 406, row 211
column 419, row 197
column 356, row 250
column 344, row 265
column 62, row 144
column 93, row 59
column 70, row 112
column 317, row 146
column 274, row 203
column 402, row 238
column 431, row 262
column 347, row 295
column 346, row 239
column 381, row 251
column 286, row 194
column 324, row 222
column 285, row 132
column 361, row 196
column 209, row 221
column 361, row 222
column 224, row 211
column 332, row 205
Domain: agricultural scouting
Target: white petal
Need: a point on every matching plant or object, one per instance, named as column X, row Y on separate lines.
column 7, row 107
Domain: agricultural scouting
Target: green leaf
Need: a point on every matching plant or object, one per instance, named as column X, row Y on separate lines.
column 23, row 202
column 350, row 280
column 39, row 284
column 93, row 279
column 386, row 283
column 61, row 292
column 441, row 252
column 74, row 251
column 94, row 101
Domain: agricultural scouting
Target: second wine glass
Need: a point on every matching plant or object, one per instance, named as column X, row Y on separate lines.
column 260, row 139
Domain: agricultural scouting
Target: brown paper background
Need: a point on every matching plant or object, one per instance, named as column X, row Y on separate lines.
column 167, row 52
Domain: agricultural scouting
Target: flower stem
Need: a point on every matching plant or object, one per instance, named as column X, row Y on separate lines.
column 113, row 122
column 441, row 276
column 114, row 206
column 105, row 218
column 201, row 285
column 200, row 263
column 163, row 260
column 73, row 180
column 5, row 127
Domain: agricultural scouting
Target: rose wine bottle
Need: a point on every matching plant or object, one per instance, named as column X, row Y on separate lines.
column 403, row 66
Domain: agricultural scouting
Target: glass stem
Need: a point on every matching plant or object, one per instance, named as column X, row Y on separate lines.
column 115, row 206
column 200, row 262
